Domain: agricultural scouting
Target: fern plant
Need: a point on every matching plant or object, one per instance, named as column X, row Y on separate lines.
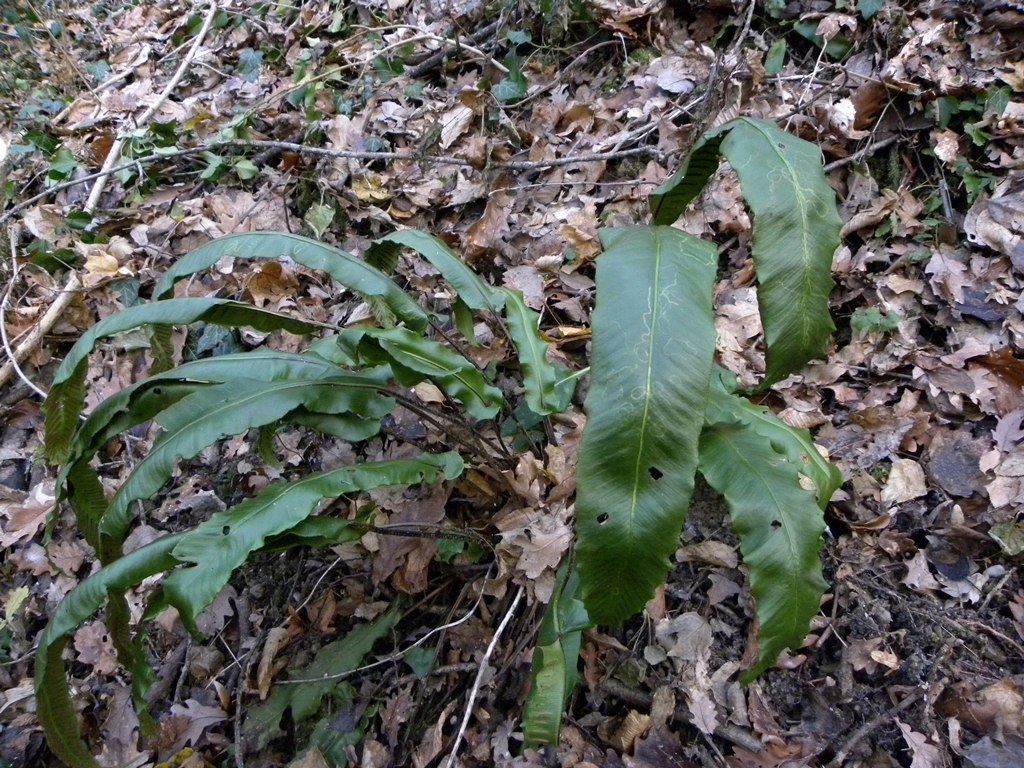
column 342, row 386
column 660, row 410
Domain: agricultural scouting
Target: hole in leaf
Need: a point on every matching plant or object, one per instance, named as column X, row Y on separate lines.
column 226, row 530
column 602, row 518
column 655, row 473
column 776, row 525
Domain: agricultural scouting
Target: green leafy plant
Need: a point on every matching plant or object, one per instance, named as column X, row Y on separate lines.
column 342, row 386
column 659, row 411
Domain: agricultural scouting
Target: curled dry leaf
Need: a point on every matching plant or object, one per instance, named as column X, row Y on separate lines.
column 277, row 639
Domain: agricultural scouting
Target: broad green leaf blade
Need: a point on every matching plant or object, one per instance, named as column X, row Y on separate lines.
column 344, row 426
column 234, row 407
column 63, row 406
column 554, row 672
column 796, row 232
column 670, row 199
column 142, row 401
column 471, row 288
column 55, row 709
column 383, row 255
column 224, row 542
column 756, row 465
column 314, row 532
column 456, row 375
column 549, row 387
column 86, row 495
column 654, row 340
column 120, row 412
column 348, row 270
column 795, row 444
column 263, row 722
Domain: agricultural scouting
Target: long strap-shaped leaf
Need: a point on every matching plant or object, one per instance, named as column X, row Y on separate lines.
column 755, row 462
column 221, row 544
column 670, row 199
column 206, row 416
column 63, row 405
column 554, row 672
column 547, row 386
column 53, row 699
column 348, row 270
column 263, row 721
column 414, row 358
column 653, row 345
column 471, row 289
column 141, row 401
column 796, row 230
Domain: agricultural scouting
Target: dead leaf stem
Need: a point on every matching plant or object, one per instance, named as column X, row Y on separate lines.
column 435, row 59
column 115, row 150
column 74, row 282
column 861, row 153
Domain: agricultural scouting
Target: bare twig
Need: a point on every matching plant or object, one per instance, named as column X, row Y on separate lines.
column 511, row 165
column 397, row 655
column 874, row 724
column 115, row 150
column 450, row 45
column 339, row 153
column 475, row 690
column 731, row 733
column 601, row 157
column 74, row 281
column 435, row 59
column 32, row 341
column 562, row 72
column 860, row 154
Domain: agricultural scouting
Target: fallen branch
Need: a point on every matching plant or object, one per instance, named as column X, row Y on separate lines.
column 508, row 165
column 475, row 690
column 115, row 150
column 860, row 154
column 731, row 733
column 873, row 724
column 34, row 338
column 74, row 282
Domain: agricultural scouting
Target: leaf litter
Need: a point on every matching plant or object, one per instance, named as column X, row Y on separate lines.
column 514, row 142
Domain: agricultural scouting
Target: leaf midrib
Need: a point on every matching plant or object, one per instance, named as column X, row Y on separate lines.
column 653, row 303
column 206, row 417
column 805, row 231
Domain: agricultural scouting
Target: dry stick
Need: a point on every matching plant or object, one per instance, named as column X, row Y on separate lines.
column 860, row 154
column 513, row 165
column 74, row 281
column 400, row 654
column 562, row 72
column 456, row 44
column 115, row 150
column 875, row 723
column 435, row 59
column 507, row 165
column 185, row 151
column 731, row 733
column 35, row 336
column 475, row 690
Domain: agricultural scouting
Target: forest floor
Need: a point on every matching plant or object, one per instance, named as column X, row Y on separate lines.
column 514, row 131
